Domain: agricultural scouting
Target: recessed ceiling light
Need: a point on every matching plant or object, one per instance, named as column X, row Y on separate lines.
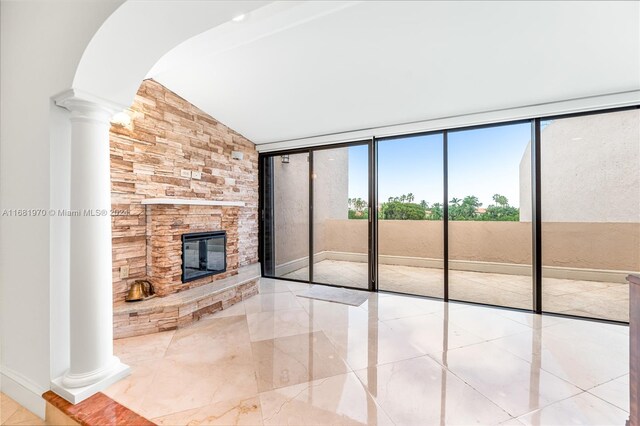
column 239, row 18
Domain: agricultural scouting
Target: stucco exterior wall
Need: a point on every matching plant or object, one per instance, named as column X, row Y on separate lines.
column 331, row 192
column 410, row 238
column 606, row 246
column 291, row 208
column 589, row 170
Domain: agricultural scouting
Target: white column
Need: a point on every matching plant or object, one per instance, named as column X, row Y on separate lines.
column 92, row 364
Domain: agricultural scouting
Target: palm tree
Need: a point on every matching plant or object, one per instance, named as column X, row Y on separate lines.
column 471, row 200
column 455, row 201
column 500, row 200
column 410, row 197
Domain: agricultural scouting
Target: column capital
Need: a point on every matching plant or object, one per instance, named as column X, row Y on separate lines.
column 84, row 105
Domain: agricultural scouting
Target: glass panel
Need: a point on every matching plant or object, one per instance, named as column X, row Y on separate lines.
column 203, row 256
column 590, row 193
column 191, row 258
column 490, row 215
column 340, row 212
column 291, row 216
column 215, row 254
column 410, row 229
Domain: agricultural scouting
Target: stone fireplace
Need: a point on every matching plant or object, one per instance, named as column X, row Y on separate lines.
column 167, row 224
column 174, row 171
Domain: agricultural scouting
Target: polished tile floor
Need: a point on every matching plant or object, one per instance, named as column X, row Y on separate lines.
column 278, row 359
column 572, row 297
column 12, row 413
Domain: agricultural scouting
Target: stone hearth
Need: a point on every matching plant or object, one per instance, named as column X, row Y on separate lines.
column 183, row 308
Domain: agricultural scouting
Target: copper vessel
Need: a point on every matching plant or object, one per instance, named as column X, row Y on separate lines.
column 140, row 290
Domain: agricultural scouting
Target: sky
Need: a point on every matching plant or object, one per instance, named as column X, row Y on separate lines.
column 482, row 162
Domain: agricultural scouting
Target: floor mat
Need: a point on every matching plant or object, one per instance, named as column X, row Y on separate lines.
column 338, row 295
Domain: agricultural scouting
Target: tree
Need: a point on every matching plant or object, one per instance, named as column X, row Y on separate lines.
column 403, row 208
column 500, row 200
column 435, row 212
column 357, row 208
column 396, row 210
column 465, row 210
column 501, row 210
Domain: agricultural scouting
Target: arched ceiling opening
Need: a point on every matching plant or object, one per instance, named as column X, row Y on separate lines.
column 138, row 34
column 300, row 69
column 291, row 70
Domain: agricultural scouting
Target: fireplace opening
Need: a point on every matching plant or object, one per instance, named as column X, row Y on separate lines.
column 203, row 254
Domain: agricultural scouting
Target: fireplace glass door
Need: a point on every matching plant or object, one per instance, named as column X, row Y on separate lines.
column 203, row 254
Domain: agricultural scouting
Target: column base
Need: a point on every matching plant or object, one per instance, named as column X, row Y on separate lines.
column 75, row 395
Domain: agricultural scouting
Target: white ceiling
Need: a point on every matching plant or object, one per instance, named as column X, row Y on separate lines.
column 293, row 70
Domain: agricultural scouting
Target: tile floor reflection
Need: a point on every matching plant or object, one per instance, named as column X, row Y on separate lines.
column 592, row 299
column 281, row 359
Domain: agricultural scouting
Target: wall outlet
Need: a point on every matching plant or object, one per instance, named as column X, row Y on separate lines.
column 185, row 173
column 196, row 175
column 124, row 271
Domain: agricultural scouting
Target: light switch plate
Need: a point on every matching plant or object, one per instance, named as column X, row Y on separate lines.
column 196, row 175
column 185, row 173
column 124, row 271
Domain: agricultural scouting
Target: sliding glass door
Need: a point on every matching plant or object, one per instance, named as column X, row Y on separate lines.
column 286, row 217
column 542, row 214
column 590, row 194
column 489, row 188
column 410, row 215
column 315, row 215
column 340, row 180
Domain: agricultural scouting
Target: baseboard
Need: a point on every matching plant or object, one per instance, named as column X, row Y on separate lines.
column 303, row 262
column 23, row 390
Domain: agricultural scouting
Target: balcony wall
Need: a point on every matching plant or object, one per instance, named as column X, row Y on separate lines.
column 573, row 250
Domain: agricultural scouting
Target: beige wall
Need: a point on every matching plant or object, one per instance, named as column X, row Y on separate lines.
column 502, row 242
column 410, row 238
column 590, row 170
column 608, row 246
